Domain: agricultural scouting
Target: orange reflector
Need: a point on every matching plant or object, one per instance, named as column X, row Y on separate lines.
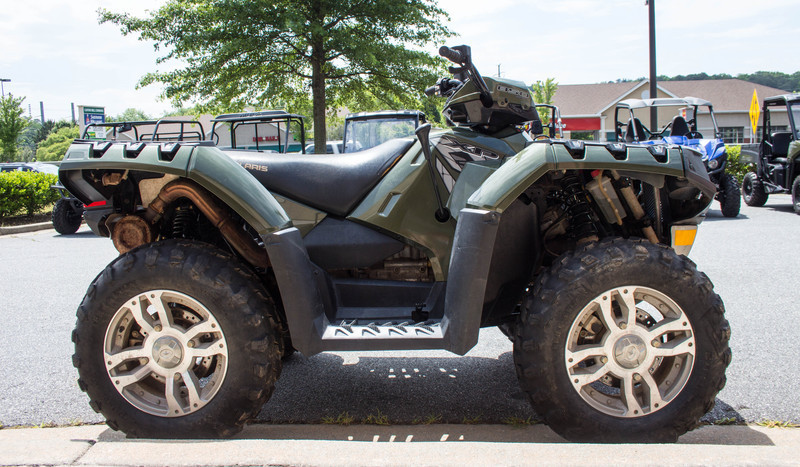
column 685, row 237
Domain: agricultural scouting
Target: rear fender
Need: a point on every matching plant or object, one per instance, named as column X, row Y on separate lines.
column 199, row 162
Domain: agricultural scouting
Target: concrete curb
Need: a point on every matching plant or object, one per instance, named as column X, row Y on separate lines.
column 25, row 228
column 446, row 445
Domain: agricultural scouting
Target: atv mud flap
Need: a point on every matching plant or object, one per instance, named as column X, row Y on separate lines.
column 466, row 286
column 303, row 294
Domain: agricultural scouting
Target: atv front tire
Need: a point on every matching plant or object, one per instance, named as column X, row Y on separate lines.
column 753, row 190
column 730, row 200
column 177, row 339
column 66, row 220
column 622, row 341
column 796, row 194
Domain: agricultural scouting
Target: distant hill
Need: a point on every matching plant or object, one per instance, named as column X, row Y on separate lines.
column 775, row 79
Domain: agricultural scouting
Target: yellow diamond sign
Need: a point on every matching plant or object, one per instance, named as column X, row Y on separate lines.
column 755, row 111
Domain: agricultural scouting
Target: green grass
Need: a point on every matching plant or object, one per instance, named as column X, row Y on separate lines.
column 519, row 422
column 377, row 419
column 471, row 420
column 777, row 424
column 429, row 420
column 725, row 421
column 343, row 418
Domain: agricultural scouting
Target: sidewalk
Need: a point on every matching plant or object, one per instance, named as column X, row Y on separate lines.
column 444, row 445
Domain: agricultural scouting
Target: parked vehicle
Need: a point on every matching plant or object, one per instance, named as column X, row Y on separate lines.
column 554, row 125
column 29, row 167
column 365, row 130
column 229, row 260
column 682, row 130
column 777, row 164
column 69, row 211
column 332, row 147
column 249, row 130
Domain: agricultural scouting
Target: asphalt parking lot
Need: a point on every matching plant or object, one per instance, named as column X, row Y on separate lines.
column 749, row 259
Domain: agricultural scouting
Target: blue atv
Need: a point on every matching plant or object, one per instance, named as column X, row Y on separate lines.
column 682, row 130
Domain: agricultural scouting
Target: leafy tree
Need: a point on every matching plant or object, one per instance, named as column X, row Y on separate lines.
column 261, row 53
column 130, row 115
column 56, row 145
column 11, row 125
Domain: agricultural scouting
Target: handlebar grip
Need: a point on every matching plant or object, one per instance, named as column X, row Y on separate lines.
column 453, row 55
column 431, row 90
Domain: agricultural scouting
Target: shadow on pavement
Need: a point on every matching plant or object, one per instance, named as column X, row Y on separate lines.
column 403, row 390
column 780, row 208
column 712, row 216
column 80, row 234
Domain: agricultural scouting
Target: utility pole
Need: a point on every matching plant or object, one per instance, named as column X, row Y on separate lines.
column 72, row 105
column 498, row 69
column 41, row 107
column 3, row 80
column 653, row 89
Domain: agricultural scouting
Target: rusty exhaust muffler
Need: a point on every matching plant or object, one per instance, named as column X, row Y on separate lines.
column 129, row 233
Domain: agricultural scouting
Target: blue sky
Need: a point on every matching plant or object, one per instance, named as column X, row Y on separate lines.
column 55, row 51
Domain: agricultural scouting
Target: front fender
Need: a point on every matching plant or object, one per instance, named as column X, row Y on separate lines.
column 521, row 171
column 202, row 163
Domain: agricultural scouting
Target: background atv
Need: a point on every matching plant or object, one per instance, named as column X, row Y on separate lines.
column 682, row 130
column 777, row 164
column 230, row 259
column 249, row 130
column 68, row 210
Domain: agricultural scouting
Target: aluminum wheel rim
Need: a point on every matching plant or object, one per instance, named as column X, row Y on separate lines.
column 630, row 351
column 165, row 353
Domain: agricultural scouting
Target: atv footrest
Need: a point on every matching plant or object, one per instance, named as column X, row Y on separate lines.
column 345, row 331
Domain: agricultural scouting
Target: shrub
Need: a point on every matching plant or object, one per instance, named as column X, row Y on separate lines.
column 735, row 164
column 25, row 192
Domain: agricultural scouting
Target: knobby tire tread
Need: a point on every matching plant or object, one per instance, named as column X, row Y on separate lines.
column 65, row 220
column 538, row 349
column 731, row 198
column 185, row 262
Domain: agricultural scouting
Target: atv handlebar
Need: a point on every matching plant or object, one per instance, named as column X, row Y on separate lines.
column 444, row 87
column 462, row 56
column 453, row 55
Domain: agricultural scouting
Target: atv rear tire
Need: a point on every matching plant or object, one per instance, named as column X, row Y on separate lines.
column 753, row 190
column 796, row 194
column 730, row 199
column 177, row 339
column 66, row 220
column 622, row 341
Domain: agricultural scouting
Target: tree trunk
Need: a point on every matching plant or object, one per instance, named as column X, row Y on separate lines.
column 318, row 96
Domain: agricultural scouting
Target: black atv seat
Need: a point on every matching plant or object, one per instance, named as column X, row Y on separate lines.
column 333, row 183
column 635, row 131
column 679, row 126
column 780, row 143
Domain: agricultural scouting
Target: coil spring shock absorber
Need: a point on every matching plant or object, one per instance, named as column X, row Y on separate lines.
column 578, row 209
column 182, row 222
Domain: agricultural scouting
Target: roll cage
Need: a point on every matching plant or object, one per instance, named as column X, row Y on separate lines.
column 633, row 130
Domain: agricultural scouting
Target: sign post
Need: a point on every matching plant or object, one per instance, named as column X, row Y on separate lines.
column 755, row 112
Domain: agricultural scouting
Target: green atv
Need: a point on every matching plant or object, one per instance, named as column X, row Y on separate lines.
column 230, row 260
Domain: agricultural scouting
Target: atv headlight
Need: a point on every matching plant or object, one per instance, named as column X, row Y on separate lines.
column 713, row 163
